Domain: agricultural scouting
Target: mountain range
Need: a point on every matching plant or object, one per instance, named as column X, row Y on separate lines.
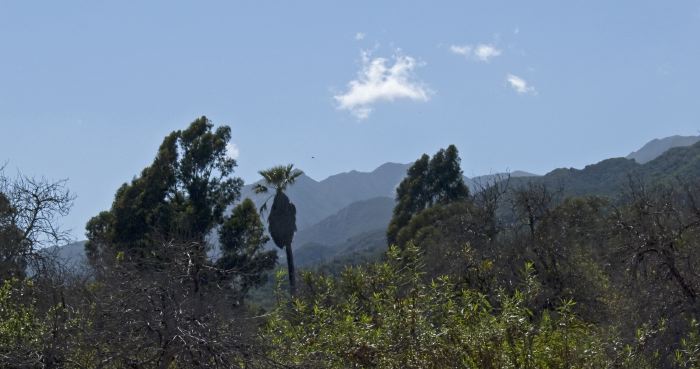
column 610, row 176
column 316, row 200
column 346, row 215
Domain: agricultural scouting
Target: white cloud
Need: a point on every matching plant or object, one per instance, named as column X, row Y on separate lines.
column 232, row 150
column 379, row 81
column 519, row 85
column 486, row 52
column 360, row 36
column 461, row 50
column 480, row 52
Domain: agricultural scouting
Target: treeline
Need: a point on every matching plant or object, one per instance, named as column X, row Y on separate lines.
column 509, row 276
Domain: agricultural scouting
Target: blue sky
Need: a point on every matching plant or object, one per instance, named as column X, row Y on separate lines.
column 88, row 89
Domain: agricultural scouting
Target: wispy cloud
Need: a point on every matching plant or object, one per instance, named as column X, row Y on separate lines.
column 486, row 52
column 520, row 85
column 360, row 36
column 378, row 80
column 464, row 50
column 480, row 52
column 232, row 150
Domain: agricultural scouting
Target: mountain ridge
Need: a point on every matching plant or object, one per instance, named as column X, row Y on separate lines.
column 654, row 148
column 610, row 176
column 319, row 201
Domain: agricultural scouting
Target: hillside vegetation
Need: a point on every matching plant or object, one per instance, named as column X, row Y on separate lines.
column 589, row 268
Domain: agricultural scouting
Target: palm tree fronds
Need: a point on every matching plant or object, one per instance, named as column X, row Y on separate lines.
column 280, row 176
column 258, row 188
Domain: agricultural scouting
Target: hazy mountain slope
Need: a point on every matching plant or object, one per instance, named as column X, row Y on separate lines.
column 357, row 186
column 354, row 219
column 354, row 250
column 362, row 248
column 71, row 255
column 479, row 182
column 656, row 147
column 309, row 254
column 677, row 162
column 345, row 231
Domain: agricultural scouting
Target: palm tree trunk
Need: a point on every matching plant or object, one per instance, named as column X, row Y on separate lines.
column 290, row 270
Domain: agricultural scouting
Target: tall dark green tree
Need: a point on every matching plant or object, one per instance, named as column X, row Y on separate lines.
column 410, row 197
column 445, row 178
column 242, row 237
column 282, row 217
column 429, row 181
column 181, row 196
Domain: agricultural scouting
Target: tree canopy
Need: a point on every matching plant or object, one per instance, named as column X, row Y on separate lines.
column 242, row 238
column 429, row 181
column 182, row 195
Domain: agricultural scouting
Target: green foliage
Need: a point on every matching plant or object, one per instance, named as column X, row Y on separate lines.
column 410, row 197
column 567, row 249
column 160, row 302
column 429, row 181
column 385, row 316
column 457, row 240
column 627, row 263
column 445, row 180
column 279, row 178
column 688, row 355
column 658, row 235
column 242, row 238
column 20, row 329
column 182, row 195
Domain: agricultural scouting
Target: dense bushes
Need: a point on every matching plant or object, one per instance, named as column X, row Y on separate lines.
column 385, row 316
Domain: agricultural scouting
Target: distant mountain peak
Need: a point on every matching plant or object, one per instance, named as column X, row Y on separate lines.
column 384, row 168
column 654, row 148
column 522, row 173
column 390, row 165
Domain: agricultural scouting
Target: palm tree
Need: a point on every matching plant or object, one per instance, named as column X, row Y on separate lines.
column 282, row 218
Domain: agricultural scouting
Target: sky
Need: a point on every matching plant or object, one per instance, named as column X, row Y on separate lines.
column 88, row 89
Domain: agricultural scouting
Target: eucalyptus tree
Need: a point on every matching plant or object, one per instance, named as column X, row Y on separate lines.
column 181, row 196
column 282, row 216
column 428, row 182
column 242, row 239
